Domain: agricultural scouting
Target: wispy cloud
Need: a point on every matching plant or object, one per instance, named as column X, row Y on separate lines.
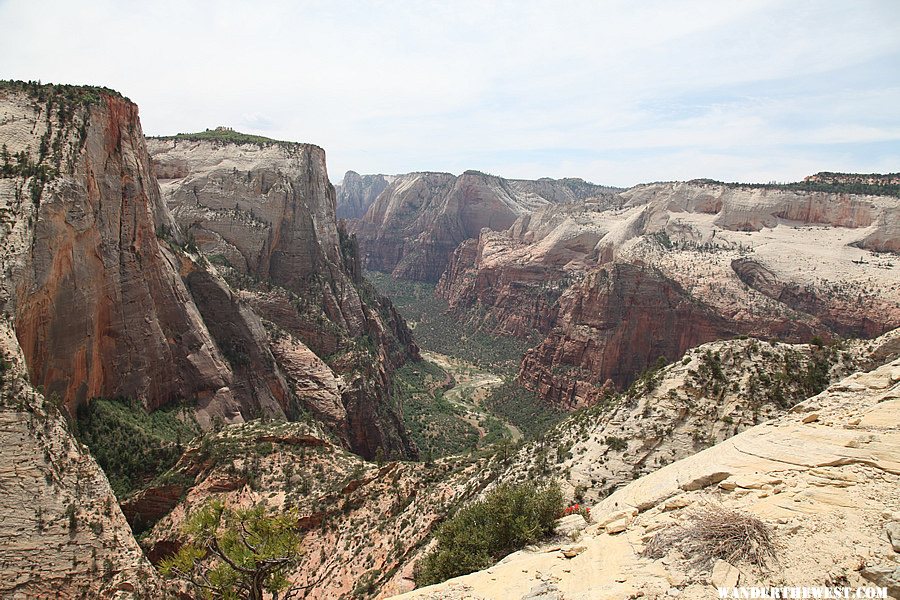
column 616, row 92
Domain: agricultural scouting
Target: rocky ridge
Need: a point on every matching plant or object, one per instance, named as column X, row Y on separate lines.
column 717, row 390
column 420, row 218
column 616, row 282
column 830, row 467
column 368, row 524
column 106, row 295
column 364, row 523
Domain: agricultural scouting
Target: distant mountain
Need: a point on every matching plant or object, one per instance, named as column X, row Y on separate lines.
column 417, row 221
column 356, row 193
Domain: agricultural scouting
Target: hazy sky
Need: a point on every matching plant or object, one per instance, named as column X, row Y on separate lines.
column 613, row 92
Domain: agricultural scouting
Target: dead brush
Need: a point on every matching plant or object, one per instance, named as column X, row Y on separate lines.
column 714, row 532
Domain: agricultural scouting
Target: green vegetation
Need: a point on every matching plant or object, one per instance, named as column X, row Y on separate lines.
column 649, row 378
column 225, row 135
column 437, row 426
column 785, row 380
column 71, row 94
column 21, row 165
column 237, row 553
column 130, row 444
column 438, row 330
column 510, row 517
column 435, row 423
column 523, row 408
column 832, row 187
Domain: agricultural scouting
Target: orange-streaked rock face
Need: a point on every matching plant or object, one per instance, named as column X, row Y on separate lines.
column 99, row 308
column 611, row 325
column 64, row 330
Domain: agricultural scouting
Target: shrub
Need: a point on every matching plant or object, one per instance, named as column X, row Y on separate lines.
column 714, row 532
column 509, row 517
column 616, row 443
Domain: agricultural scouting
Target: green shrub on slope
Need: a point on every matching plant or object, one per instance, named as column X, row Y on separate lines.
column 510, row 517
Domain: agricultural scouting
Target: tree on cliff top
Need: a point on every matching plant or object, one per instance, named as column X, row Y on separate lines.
column 237, row 553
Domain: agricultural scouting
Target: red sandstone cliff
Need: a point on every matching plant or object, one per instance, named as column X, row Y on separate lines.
column 98, row 306
column 612, row 324
column 616, row 282
column 90, row 306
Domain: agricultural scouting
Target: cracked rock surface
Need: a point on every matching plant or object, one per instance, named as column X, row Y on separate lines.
column 837, row 478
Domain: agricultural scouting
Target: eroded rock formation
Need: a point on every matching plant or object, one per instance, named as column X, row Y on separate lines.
column 617, row 281
column 263, row 213
column 356, row 193
column 420, row 218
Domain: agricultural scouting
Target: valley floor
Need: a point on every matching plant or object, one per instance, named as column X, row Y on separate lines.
column 478, row 402
column 472, row 387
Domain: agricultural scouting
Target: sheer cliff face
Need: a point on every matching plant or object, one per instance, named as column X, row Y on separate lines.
column 264, row 214
column 98, row 308
column 268, row 209
column 420, row 218
column 615, row 282
column 357, row 193
column 90, row 306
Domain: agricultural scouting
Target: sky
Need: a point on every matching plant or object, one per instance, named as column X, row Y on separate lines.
column 614, row 92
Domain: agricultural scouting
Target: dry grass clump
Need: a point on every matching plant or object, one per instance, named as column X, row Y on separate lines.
column 714, row 532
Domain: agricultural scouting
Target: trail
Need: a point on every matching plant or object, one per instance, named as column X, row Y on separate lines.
column 473, row 385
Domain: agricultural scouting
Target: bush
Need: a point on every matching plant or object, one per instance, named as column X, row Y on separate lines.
column 714, row 532
column 509, row 517
column 616, row 443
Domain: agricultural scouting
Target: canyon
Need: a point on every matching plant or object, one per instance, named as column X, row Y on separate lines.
column 109, row 293
column 204, row 304
column 618, row 282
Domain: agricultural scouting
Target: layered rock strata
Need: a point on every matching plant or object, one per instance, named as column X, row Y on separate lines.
column 615, row 283
column 62, row 532
column 420, row 218
column 263, row 213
